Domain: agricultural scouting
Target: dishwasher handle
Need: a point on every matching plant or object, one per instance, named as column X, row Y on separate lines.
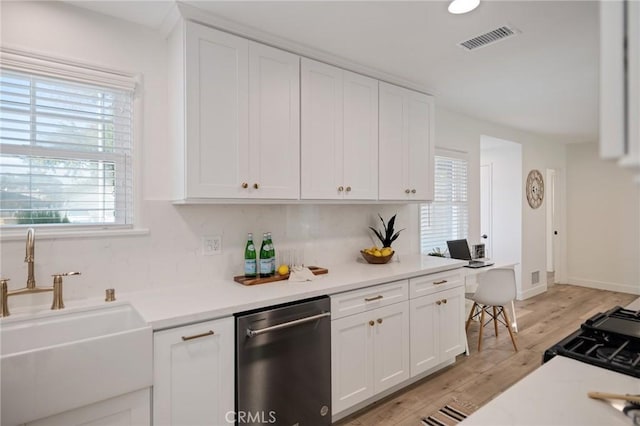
column 253, row 333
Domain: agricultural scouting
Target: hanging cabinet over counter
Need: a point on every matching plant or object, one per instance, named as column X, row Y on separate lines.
column 236, row 125
column 339, row 153
column 236, row 116
column 406, row 144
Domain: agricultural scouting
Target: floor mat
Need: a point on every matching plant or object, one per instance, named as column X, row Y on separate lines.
column 451, row 414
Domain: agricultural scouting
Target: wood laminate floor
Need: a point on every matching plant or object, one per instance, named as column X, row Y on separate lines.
column 542, row 321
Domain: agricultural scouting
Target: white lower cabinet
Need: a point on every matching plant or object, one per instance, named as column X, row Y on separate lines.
column 369, row 353
column 384, row 335
column 132, row 409
column 437, row 328
column 193, row 374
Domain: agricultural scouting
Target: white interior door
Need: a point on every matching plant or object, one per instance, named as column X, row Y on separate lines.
column 486, row 200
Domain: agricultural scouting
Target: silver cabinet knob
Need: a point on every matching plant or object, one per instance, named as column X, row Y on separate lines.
column 413, row 191
column 406, row 191
column 340, row 189
column 348, row 189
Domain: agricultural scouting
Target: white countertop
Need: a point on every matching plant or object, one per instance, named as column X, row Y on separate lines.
column 556, row 394
column 169, row 307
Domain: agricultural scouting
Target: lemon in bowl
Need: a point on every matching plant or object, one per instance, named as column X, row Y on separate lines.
column 377, row 255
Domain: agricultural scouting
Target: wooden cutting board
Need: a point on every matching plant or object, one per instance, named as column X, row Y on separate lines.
column 254, row 281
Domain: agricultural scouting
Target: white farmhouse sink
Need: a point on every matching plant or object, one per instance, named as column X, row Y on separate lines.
column 54, row 362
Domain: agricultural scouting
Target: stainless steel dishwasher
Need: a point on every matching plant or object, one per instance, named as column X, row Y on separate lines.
column 283, row 365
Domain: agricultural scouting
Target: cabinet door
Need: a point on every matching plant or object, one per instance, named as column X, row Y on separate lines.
column 420, row 146
column 452, row 333
column 351, row 359
column 274, row 123
column 322, row 131
column 391, row 345
column 360, row 137
column 425, row 333
column 216, row 115
column 132, row 409
column 393, row 152
column 194, row 378
column 406, row 144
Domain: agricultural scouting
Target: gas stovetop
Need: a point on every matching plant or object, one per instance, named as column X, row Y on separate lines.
column 610, row 340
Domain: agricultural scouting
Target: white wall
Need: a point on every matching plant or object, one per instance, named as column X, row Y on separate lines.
column 458, row 131
column 603, row 226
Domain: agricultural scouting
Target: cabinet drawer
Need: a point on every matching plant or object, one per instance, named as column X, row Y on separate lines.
column 427, row 284
column 362, row 300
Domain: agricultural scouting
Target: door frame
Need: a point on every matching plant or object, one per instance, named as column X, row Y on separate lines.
column 487, row 191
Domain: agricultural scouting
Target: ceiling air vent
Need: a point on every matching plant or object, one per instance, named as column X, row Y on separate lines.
column 489, row 38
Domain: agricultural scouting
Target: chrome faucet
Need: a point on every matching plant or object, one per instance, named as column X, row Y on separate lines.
column 31, row 287
column 30, row 257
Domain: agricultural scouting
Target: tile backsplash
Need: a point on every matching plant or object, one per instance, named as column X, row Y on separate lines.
column 171, row 253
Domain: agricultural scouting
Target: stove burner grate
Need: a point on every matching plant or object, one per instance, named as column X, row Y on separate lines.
column 617, row 356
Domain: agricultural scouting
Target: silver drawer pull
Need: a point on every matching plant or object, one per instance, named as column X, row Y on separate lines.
column 371, row 299
column 253, row 333
column 197, row 336
column 439, row 282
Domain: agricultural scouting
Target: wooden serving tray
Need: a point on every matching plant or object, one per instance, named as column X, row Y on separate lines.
column 253, row 281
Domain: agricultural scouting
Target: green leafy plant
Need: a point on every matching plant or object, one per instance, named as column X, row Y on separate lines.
column 388, row 236
column 26, row 217
column 436, row 252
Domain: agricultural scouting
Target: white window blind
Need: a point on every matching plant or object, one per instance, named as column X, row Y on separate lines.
column 447, row 216
column 65, row 151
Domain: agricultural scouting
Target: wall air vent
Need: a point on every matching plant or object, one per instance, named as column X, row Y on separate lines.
column 488, row 38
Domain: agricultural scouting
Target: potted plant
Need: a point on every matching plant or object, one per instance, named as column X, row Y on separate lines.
column 386, row 236
column 436, row 252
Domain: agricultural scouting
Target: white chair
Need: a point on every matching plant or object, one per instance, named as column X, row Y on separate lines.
column 496, row 288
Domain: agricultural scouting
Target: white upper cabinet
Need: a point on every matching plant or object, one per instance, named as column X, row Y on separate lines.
column 236, row 109
column 405, row 145
column 339, row 157
column 252, row 122
column 620, row 82
column 274, row 123
column 360, row 136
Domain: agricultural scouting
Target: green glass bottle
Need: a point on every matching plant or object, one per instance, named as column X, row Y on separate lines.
column 272, row 253
column 265, row 260
column 250, row 270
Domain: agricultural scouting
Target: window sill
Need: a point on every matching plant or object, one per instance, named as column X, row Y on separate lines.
column 49, row 234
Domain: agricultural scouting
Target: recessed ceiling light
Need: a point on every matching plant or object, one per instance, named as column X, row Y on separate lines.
column 462, row 6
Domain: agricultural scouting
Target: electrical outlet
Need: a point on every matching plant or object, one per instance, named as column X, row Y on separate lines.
column 211, row 244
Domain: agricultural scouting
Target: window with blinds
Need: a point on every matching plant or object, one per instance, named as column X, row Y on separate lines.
column 447, row 216
column 65, row 152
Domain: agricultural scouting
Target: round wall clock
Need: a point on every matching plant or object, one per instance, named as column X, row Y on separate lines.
column 535, row 189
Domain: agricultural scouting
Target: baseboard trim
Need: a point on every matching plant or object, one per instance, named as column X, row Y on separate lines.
column 533, row 291
column 602, row 285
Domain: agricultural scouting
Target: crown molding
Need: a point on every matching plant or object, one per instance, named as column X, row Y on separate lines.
column 188, row 12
